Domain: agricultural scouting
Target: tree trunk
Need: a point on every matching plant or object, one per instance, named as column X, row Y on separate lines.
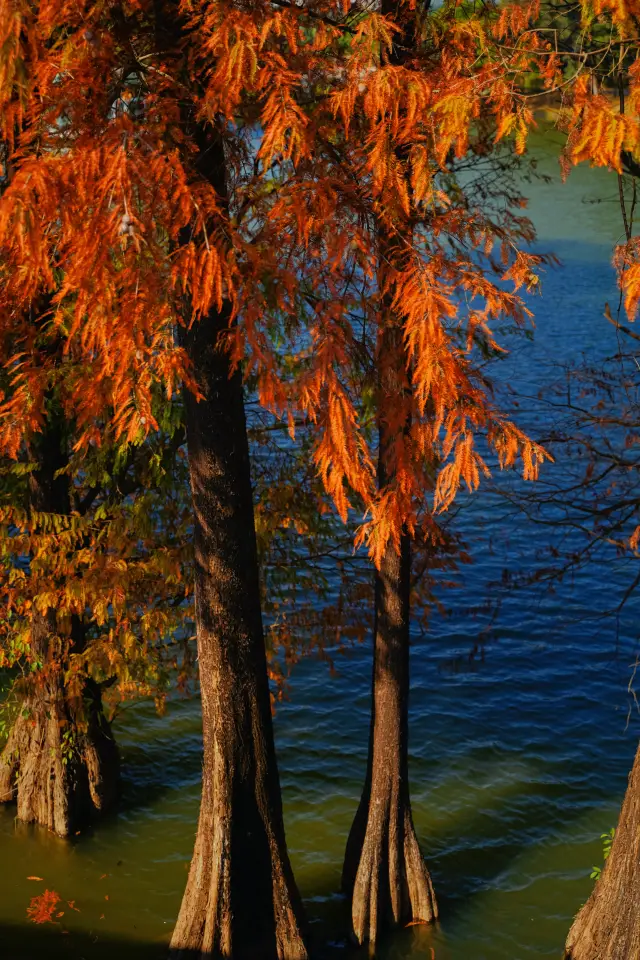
column 608, row 925
column 241, row 899
column 60, row 763
column 383, row 869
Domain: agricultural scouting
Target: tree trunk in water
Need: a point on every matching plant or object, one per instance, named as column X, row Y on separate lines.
column 241, row 899
column 383, row 869
column 60, row 763
column 608, row 925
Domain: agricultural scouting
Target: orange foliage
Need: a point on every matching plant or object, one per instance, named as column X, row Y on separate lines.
column 42, row 908
column 327, row 141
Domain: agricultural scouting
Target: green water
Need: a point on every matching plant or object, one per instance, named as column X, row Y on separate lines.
column 518, row 758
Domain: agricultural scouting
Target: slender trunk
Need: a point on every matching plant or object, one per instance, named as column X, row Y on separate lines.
column 608, row 925
column 60, row 762
column 383, row 869
column 241, row 899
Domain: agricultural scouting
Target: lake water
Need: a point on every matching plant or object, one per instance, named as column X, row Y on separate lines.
column 519, row 753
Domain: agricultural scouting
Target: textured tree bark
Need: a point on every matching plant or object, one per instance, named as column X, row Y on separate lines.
column 59, row 765
column 241, row 899
column 384, row 871
column 608, row 925
column 60, row 762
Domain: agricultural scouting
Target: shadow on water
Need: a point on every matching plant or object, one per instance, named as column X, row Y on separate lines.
column 21, row 942
column 468, row 862
column 30, row 942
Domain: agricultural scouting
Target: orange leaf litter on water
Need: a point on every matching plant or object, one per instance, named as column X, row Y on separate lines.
column 43, row 907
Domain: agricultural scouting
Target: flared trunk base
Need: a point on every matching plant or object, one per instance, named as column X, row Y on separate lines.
column 59, row 774
column 224, row 911
column 608, row 925
column 385, row 873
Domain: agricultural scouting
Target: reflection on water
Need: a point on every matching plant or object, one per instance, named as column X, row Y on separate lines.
column 518, row 758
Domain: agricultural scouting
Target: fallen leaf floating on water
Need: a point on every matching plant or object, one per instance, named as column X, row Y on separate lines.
column 35, row 878
column 42, row 908
column 106, row 896
column 72, row 905
column 104, row 875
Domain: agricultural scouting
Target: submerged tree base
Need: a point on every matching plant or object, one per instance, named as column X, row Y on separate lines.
column 241, row 900
column 608, row 925
column 223, row 910
column 384, row 871
column 59, row 772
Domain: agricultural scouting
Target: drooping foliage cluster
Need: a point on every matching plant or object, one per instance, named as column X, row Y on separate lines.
column 312, row 116
column 308, row 108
